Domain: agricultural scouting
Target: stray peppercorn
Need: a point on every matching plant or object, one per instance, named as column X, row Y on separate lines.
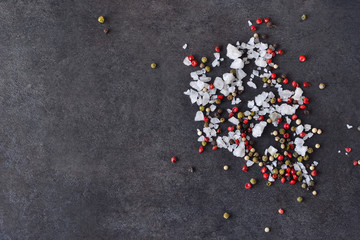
column 202, row 65
column 207, row 68
column 204, row 59
column 106, row 30
column 303, row 17
column 253, row 181
column 299, row 199
column 226, row 215
column 153, row 65
column 101, row 19
column 321, row 86
column 226, row 167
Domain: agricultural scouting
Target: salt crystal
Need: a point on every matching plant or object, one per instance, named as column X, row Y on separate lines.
column 315, row 163
column 237, row 64
column 212, row 107
column 219, row 83
column 234, row 120
column 240, row 74
column 250, row 104
column 240, row 150
column 307, row 127
column 186, row 61
column 250, row 23
column 298, row 94
column 201, row 138
column 228, row 78
column 215, row 63
column 199, row 116
column 205, row 79
column 251, row 84
column 232, row 52
column 349, row 126
column 261, row 62
column 258, row 129
column 299, row 129
column 272, row 150
column 214, row 120
column 185, row 46
column 286, row 109
column 249, row 163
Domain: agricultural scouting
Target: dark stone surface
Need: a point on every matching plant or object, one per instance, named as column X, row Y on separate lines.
column 87, row 129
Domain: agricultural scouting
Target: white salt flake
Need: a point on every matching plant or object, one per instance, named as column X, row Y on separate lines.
column 186, row 61
column 232, row 52
column 185, row 46
column 234, row 120
column 349, row 126
column 237, row 64
column 258, row 129
column 199, row 116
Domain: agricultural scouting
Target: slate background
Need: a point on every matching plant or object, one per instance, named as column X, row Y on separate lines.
column 87, row 129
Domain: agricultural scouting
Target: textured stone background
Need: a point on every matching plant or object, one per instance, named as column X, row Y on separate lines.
column 87, row 129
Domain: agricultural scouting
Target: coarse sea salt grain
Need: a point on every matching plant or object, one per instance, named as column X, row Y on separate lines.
column 258, row 129
column 232, row 52
column 199, row 116
column 349, row 126
column 185, row 46
column 186, row 61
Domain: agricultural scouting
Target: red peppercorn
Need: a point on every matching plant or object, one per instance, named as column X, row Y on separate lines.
column 218, row 131
column 294, row 117
column 253, row 28
column 269, row 50
column 286, row 135
column 273, row 75
column 268, row 61
column 235, row 109
column 265, row 175
column 230, row 129
column 206, row 139
column 259, row 21
column 302, row 58
column 281, row 211
column 191, row 58
column 201, row 149
column 282, row 180
column 302, row 134
column 266, row 20
column 220, row 97
column 214, row 147
column 231, row 114
column 248, row 147
column 237, row 141
column 355, row 162
column 217, row 49
column 263, row 170
column 279, row 100
column 247, row 185
column 244, row 168
column 279, row 120
column 286, row 126
column 292, row 146
column 302, row 106
column 211, row 86
column 273, row 54
column 292, row 171
column 246, row 142
column 261, row 118
column 289, row 100
column 313, row 173
column 292, row 182
column 206, row 119
column 243, row 134
column 285, row 81
column 289, row 155
column 274, row 176
column 249, row 130
column 306, row 84
column 347, row 150
column 173, row 159
column 288, row 170
column 280, row 52
column 294, row 84
column 245, row 121
column 287, row 174
column 306, row 100
column 194, row 63
column 280, row 157
column 295, row 177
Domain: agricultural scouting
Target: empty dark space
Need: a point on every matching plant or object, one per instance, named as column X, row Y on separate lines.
column 87, row 128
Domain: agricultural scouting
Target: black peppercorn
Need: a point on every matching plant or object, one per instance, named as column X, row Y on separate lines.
column 231, row 141
column 283, row 75
column 220, row 111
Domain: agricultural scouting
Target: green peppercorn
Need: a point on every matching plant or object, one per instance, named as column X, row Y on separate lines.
column 218, row 101
column 275, row 171
column 233, row 71
column 298, row 173
column 204, row 143
column 253, row 181
column 282, row 140
column 202, row 108
column 282, row 131
column 206, row 124
column 306, row 157
column 300, row 159
column 279, row 80
column 153, row 65
column 264, row 158
column 287, row 146
column 300, row 178
column 287, row 162
column 268, row 184
column 276, row 155
column 204, row 59
column 282, row 171
column 295, row 154
column 207, row 68
column 222, row 120
column 251, row 154
column 311, row 183
column 273, row 100
column 303, row 185
column 252, row 113
column 303, row 17
column 310, row 150
column 299, row 199
column 256, row 154
column 264, row 79
column 240, row 115
column 293, row 128
column 255, row 160
column 238, row 127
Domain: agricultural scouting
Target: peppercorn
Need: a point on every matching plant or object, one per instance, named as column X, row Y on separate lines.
column 302, row 58
column 206, row 124
column 358, row 128
column 220, row 111
column 319, row 131
column 314, row 130
column 204, row 59
column 306, row 112
column 204, row 143
column 269, row 24
column 202, row 108
column 234, row 94
column 276, row 67
column 218, row 101
column 311, row 183
column 281, row 211
column 249, row 117
column 238, row 127
column 264, row 36
column 106, row 30
column 264, row 79
column 268, row 184
column 275, row 171
column 277, row 138
column 261, row 164
column 202, row 65
column 267, row 229
column 253, row 181
column 191, row 170
column 226, row 167
column 321, row 86
column 314, row 193
column 303, row 17
column 229, row 97
column 293, row 128
column 240, row 115
column 310, row 150
column 153, row 65
column 226, row 215
column 264, row 158
column 247, row 158
column 306, row 157
column 298, row 121
column 282, row 171
column 287, row 162
column 299, row 199
column 101, row 19
column 207, row 68
column 279, row 80
column 256, row 35
column 222, row 120
column 273, row 100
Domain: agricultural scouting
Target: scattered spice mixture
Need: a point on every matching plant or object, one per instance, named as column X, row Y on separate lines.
column 236, row 128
